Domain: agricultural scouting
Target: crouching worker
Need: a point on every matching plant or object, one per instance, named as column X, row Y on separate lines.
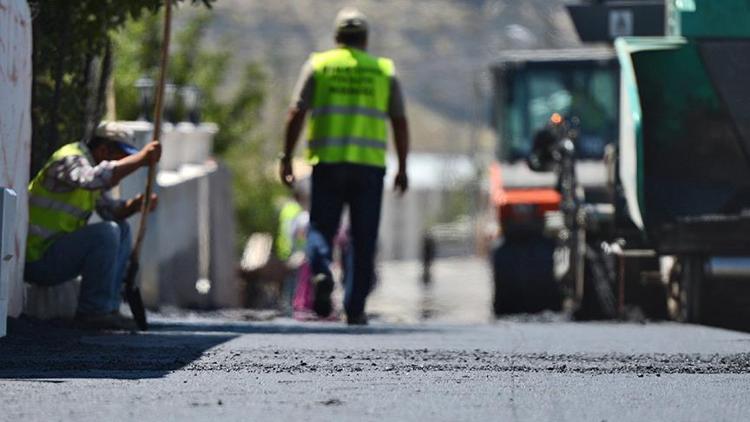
column 62, row 245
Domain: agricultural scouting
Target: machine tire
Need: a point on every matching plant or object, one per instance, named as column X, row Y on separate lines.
column 687, row 290
column 523, row 276
column 599, row 301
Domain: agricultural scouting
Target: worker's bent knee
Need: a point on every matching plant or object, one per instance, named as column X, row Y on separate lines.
column 107, row 234
column 124, row 228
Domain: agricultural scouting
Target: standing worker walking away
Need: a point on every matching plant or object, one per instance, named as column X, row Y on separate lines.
column 350, row 94
column 61, row 243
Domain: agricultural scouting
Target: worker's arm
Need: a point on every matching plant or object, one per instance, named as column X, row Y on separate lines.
column 294, row 122
column 110, row 208
column 397, row 113
column 150, row 154
column 401, row 138
column 133, row 205
column 79, row 171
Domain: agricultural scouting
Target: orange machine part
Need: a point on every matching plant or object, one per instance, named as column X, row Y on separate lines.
column 522, row 205
column 510, row 201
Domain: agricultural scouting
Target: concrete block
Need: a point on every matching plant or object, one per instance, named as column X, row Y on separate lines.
column 148, row 272
column 179, row 221
column 186, row 143
column 172, row 148
column 226, row 287
column 206, row 133
column 51, row 302
column 189, row 150
column 189, row 237
column 8, row 258
column 199, row 143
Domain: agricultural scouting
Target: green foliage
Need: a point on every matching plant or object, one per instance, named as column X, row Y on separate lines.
column 254, row 189
column 71, row 64
column 233, row 102
column 134, row 59
column 456, row 203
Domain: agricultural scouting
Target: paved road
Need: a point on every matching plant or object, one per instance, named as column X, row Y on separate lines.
column 460, row 292
column 200, row 367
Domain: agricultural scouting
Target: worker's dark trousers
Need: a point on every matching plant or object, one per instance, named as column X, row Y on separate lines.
column 98, row 253
column 361, row 188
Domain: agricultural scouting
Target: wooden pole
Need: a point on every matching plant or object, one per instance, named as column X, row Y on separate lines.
column 158, row 109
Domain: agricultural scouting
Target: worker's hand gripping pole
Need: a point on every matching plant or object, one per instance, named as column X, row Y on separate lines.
column 132, row 291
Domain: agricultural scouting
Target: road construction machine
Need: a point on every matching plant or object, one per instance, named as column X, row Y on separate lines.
column 684, row 156
column 576, row 85
column 671, row 236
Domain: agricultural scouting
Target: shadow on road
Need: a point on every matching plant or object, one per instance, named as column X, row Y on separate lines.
column 281, row 328
column 49, row 351
column 53, row 351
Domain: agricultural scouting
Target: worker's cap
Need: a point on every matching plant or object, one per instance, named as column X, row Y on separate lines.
column 350, row 20
column 117, row 133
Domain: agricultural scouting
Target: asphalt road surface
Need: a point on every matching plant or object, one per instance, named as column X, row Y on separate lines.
column 428, row 355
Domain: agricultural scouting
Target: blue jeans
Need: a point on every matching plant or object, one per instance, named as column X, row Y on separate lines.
column 361, row 188
column 98, row 253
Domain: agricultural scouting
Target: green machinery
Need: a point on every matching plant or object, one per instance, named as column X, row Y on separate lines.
column 684, row 157
column 678, row 242
column 531, row 86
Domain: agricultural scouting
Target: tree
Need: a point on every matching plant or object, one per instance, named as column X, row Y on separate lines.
column 236, row 112
column 72, row 60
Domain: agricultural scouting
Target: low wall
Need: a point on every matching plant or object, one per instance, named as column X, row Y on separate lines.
column 187, row 258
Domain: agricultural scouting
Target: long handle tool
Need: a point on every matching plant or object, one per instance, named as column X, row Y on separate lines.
column 132, row 292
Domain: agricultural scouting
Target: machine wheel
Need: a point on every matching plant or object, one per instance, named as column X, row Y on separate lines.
column 599, row 301
column 687, row 290
column 523, row 277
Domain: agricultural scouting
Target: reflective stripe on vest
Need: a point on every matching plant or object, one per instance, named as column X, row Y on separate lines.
column 349, row 110
column 345, row 142
column 40, row 231
column 52, row 214
column 55, row 205
column 365, row 111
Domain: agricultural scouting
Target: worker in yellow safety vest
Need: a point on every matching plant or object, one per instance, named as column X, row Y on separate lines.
column 62, row 245
column 350, row 95
column 291, row 237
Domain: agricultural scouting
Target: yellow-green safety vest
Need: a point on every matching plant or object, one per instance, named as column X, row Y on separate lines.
column 350, row 107
column 53, row 214
column 285, row 239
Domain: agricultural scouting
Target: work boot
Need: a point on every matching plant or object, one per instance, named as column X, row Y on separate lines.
column 360, row 319
column 323, row 284
column 111, row 321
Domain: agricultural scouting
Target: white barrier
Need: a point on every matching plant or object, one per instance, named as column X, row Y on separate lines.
column 187, row 258
column 8, row 205
column 15, row 132
column 52, row 302
column 186, row 143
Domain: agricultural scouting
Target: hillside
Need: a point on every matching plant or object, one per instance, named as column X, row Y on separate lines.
column 442, row 49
